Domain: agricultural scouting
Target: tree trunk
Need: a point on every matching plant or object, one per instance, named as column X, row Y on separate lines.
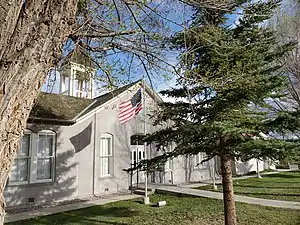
column 31, row 40
column 228, row 195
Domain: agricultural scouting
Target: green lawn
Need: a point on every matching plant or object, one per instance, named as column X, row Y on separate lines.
column 178, row 211
column 280, row 186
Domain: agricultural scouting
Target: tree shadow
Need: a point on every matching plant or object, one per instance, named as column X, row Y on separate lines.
column 264, row 194
column 263, row 187
column 286, row 175
column 63, row 188
column 92, row 215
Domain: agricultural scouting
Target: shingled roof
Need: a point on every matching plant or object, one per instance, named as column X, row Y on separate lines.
column 58, row 106
column 63, row 109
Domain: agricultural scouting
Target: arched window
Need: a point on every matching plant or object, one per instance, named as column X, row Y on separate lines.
column 106, row 155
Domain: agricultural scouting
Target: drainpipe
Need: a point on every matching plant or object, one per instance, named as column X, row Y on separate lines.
column 172, row 165
column 214, row 174
column 257, row 167
column 94, row 154
column 172, row 162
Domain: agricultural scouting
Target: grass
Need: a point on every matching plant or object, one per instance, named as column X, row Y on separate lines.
column 280, row 186
column 178, row 211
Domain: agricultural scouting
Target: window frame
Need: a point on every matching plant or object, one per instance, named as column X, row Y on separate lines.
column 33, row 158
column 109, row 157
column 81, row 86
column 53, row 156
column 29, row 158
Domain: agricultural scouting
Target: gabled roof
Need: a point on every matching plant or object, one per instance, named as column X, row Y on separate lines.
column 64, row 109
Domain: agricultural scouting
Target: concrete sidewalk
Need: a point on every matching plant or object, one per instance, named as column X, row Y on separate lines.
column 64, row 208
column 183, row 191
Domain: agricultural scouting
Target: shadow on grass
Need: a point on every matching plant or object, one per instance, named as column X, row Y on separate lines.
column 95, row 215
column 262, row 187
column 264, row 194
column 138, row 201
column 286, row 175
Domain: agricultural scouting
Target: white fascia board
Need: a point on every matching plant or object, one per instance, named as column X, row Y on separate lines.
column 151, row 92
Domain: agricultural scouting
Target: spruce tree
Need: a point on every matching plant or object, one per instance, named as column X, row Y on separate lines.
column 229, row 71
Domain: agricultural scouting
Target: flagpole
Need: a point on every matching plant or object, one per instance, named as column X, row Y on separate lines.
column 146, row 198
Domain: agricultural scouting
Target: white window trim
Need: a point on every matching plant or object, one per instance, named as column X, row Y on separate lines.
column 29, row 159
column 45, row 132
column 109, row 156
column 33, row 157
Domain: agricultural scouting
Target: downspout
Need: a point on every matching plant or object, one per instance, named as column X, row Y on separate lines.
column 214, row 173
column 94, row 153
column 217, row 169
column 171, row 170
column 172, row 166
column 257, row 167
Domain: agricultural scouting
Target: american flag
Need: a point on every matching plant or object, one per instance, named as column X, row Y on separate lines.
column 131, row 107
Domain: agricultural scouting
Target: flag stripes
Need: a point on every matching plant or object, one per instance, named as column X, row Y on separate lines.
column 130, row 108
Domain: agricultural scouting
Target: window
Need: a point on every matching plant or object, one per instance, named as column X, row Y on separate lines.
column 169, row 163
column 82, row 83
column 20, row 167
column 198, row 159
column 45, row 155
column 106, row 164
column 81, row 88
column 35, row 159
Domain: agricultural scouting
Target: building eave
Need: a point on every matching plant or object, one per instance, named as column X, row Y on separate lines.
column 51, row 121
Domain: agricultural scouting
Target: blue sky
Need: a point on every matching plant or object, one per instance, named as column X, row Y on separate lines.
column 178, row 14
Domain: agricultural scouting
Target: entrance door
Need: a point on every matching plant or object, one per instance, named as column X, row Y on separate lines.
column 137, row 154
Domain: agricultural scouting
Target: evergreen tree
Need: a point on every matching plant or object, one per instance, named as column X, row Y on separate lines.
column 228, row 73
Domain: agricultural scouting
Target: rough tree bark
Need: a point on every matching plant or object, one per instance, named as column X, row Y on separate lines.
column 31, row 39
column 228, row 195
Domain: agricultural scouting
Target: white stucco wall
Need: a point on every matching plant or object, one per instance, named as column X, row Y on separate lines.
column 241, row 168
column 77, row 174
